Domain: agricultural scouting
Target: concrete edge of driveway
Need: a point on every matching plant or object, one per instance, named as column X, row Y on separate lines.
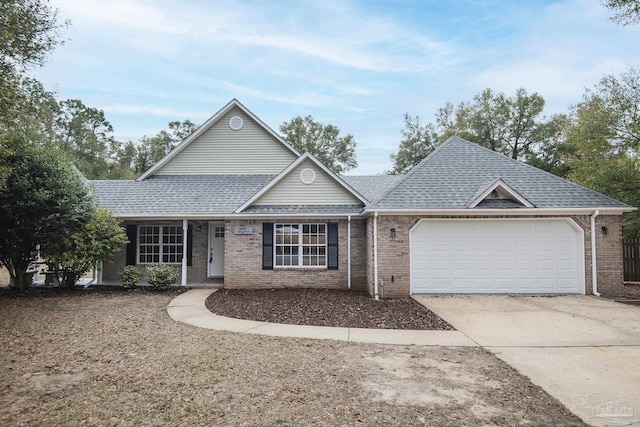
column 190, row 308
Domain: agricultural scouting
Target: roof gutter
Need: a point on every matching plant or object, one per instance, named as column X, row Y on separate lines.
column 594, row 269
column 501, row 212
column 213, row 217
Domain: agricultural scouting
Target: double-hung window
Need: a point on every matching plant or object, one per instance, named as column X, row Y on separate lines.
column 300, row 245
column 160, row 244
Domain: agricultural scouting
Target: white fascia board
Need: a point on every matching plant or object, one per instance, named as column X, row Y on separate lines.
column 507, row 188
column 266, row 127
column 502, row 212
column 233, row 216
column 338, row 179
column 288, row 170
column 204, row 127
column 272, row 183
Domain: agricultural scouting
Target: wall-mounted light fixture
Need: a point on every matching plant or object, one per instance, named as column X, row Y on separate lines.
column 604, row 229
column 393, row 233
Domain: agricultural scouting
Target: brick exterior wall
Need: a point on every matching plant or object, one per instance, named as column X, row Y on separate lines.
column 394, row 260
column 609, row 263
column 195, row 273
column 243, row 260
column 243, row 256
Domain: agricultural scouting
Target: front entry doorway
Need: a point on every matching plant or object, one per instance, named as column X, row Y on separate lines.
column 215, row 262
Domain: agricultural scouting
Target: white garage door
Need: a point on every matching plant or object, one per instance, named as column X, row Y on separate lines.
column 536, row 256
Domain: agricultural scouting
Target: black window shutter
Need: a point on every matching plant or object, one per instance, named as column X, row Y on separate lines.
column 332, row 246
column 190, row 245
column 267, row 246
column 132, row 235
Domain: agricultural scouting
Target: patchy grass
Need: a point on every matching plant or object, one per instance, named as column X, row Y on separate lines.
column 114, row 357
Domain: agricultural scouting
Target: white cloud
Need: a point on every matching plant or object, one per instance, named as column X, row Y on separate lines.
column 345, row 37
column 359, row 65
column 308, row 98
column 153, row 111
column 568, row 47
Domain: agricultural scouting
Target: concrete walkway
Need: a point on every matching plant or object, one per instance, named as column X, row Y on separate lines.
column 583, row 350
column 190, row 308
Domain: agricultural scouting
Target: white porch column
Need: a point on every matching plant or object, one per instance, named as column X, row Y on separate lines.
column 185, row 226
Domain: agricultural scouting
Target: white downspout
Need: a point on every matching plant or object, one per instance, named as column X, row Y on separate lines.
column 349, row 252
column 185, row 227
column 375, row 256
column 594, row 269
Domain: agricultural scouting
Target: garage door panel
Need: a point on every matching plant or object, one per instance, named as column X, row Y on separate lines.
column 523, row 246
column 506, row 256
column 547, row 265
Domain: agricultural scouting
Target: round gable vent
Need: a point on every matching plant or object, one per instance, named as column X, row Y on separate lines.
column 307, row 176
column 236, row 122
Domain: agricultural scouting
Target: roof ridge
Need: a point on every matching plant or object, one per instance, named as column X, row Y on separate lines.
column 413, row 169
column 495, row 153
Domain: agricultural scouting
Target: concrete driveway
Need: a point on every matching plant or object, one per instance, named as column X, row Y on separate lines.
column 583, row 350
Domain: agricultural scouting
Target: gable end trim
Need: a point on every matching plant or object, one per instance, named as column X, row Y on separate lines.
column 288, row 170
column 499, row 183
column 206, row 126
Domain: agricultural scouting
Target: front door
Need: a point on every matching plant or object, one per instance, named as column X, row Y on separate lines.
column 216, row 250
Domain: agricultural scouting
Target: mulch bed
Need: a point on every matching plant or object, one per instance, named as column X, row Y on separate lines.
column 324, row 307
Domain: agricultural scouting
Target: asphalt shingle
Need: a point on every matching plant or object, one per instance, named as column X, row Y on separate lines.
column 305, row 209
column 452, row 176
column 372, row 187
column 178, row 195
column 459, row 169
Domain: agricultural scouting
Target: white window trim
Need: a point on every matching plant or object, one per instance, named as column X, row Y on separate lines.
column 301, row 266
column 160, row 226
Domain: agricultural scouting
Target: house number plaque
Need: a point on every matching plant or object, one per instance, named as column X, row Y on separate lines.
column 243, row 230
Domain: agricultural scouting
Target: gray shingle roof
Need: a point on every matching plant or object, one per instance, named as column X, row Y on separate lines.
column 305, row 209
column 372, row 187
column 215, row 194
column 450, row 176
column 178, row 195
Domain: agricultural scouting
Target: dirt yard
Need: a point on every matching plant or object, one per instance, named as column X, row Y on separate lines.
column 324, row 307
column 101, row 358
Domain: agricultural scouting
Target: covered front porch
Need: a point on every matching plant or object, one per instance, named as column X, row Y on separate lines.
column 196, row 247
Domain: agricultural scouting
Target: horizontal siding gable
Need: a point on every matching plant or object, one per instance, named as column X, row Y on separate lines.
column 222, row 150
column 325, row 190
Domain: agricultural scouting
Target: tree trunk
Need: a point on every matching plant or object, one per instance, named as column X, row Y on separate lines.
column 69, row 278
column 17, row 272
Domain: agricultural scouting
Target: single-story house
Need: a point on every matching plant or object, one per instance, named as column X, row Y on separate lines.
column 235, row 202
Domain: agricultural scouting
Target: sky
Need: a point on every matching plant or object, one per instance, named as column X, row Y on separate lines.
column 359, row 65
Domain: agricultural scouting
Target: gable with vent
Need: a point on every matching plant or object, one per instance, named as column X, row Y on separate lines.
column 498, row 195
column 306, row 182
column 233, row 141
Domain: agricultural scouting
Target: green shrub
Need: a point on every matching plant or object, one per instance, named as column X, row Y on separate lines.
column 162, row 276
column 130, row 277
